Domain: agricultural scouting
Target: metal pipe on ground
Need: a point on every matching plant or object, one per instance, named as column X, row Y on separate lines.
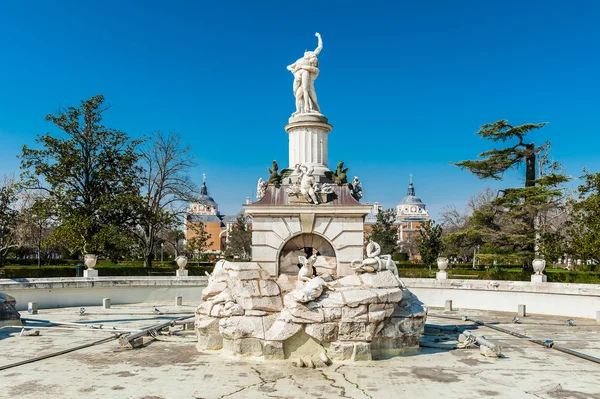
column 35, row 359
column 131, row 339
column 546, row 343
column 61, row 323
column 496, row 350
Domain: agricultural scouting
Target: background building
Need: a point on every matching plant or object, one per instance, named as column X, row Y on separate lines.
column 204, row 214
column 411, row 213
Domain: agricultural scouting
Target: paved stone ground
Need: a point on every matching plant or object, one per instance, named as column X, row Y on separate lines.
column 172, row 368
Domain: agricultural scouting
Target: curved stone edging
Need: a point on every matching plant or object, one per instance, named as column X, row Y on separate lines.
column 564, row 299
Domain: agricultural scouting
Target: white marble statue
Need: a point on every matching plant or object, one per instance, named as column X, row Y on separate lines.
column 374, row 262
column 307, row 185
column 306, row 70
column 307, row 270
column 311, row 290
column 261, row 189
column 356, row 188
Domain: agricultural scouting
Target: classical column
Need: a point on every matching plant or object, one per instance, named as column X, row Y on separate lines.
column 308, row 142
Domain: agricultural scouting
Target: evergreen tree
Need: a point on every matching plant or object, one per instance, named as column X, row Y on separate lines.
column 584, row 226
column 384, row 232
column 90, row 176
column 240, row 239
column 513, row 222
column 496, row 162
column 431, row 242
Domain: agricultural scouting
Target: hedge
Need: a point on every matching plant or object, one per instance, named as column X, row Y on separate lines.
column 69, row 271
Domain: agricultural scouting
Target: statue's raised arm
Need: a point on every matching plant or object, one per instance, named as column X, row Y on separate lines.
column 319, row 44
column 306, row 70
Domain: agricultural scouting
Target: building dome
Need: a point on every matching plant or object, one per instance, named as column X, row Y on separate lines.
column 204, row 198
column 411, row 205
column 411, row 198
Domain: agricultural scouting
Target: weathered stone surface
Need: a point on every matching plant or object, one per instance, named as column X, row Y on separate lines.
column 384, row 279
column 330, row 300
column 372, row 329
column 256, row 313
column 273, row 350
column 245, row 274
column 356, row 314
column 204, row 308
column 332, row 314
column 388, row 295
column 340, row 350
column 282, row 330
column 217, row 310
column 244, row 288
column 269, row 288
column 266, row 303
column 364, row 316
column 213, row 289
column 355, row 297
column 240, row 266
column 8, row 310
column 361, row 351
column 237, row 327
column 302, row 314
column 379, row 315
column 352, row 332
column 324, row 332
column 207, row 325
column 211, row 342
column 410, row 306
column 244, row 346
column 350, row 281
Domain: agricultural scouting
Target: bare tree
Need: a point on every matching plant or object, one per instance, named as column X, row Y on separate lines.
column 9, row 217
column 36, row 223
column 167, row 188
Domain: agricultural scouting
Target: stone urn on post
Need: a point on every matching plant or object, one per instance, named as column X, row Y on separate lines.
column 90, row 261
column 181, row 263
column 538, row 267
column 442, row 263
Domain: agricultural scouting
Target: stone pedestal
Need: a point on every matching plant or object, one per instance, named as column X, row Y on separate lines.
column 539, row 278
column 89, row 273
column 182, row 273
column 442, row 275
column 308, row 142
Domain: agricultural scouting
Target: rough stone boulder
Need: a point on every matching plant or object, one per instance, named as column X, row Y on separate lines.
column 8, row 311
column 236, row 305
column 367, row 315
column 357, row 317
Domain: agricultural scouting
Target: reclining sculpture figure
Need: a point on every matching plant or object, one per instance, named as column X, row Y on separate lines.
column 375, row 263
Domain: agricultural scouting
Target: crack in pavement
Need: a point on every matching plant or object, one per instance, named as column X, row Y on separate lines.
column 350, row 382
column 262, row 381
column 332, row 382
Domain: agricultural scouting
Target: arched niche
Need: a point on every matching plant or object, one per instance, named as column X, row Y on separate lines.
column 306, row 245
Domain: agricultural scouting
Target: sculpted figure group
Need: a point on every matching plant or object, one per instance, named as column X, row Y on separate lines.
column 305, row 71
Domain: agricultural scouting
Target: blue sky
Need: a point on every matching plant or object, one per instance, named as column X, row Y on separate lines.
column 405, row 84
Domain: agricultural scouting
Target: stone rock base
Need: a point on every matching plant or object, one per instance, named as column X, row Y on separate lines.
column 357, row 317
column 8, row 311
